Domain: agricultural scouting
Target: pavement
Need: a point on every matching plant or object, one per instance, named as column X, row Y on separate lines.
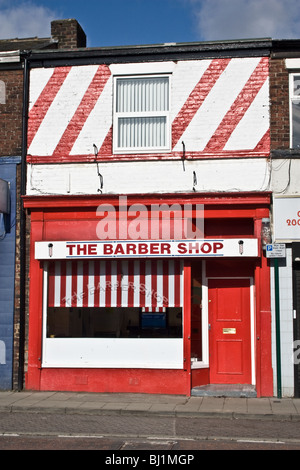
column 149, row 405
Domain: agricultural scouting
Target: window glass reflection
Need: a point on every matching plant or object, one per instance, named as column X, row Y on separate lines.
column 113, row 322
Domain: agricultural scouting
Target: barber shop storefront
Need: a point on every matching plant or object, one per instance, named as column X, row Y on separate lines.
column 118, row 306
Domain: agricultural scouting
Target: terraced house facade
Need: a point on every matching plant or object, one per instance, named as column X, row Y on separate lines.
column 158, row 198
column 147, row 193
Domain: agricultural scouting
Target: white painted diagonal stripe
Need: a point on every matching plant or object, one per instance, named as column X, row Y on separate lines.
column 253, row 125
column 38, row 80
column 97, row 125
column 62, row 110
column 188, row 73
column 217, row 103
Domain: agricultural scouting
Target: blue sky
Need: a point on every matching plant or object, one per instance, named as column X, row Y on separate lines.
column 133, row 22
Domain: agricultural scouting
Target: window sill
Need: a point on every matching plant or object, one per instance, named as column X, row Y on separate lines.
column 141, row 152
column 199, row 365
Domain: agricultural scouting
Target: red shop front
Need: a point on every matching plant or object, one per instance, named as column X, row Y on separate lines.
column 129, row 313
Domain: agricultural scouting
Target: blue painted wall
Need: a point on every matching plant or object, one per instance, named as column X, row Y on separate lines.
column 7, row 275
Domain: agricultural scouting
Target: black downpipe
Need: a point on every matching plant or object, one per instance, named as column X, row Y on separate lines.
column 23, row 226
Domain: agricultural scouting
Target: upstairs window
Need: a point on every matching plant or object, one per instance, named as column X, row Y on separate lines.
column 141, row 117
column 295, row 110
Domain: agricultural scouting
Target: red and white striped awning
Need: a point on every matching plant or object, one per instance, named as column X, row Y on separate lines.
column 150, row 284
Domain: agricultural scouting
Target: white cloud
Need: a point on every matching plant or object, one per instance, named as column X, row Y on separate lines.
column 238, row 19
column 25, row 19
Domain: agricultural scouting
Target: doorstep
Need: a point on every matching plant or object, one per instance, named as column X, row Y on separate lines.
column 224, row 390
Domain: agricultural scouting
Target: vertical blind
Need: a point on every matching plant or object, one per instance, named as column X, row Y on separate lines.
column 151, row 284
column 142, row 132
column 142, row 105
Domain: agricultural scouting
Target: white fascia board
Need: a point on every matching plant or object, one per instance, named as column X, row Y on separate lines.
column 292, row 63
column 142, row 68
column 9, row 56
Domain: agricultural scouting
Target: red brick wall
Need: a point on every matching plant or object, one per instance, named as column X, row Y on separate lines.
column 11, row 113
column 68, row 33
column 279, row 96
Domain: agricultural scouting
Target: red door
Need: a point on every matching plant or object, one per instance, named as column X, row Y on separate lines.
column 230, row 332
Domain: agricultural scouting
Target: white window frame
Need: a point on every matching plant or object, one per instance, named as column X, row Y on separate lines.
column 292, row 99
column 117, row 116
column 204, row 363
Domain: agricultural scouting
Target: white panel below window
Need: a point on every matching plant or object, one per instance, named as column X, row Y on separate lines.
column 149, row 353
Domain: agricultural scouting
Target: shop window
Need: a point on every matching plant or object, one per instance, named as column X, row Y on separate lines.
column 295, row 110
column 113, row 313
column 141, row 114
column 196, row 313
column 199, row 315
column 113, row 322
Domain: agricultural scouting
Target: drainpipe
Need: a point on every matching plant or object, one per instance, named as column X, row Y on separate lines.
column 23, row 224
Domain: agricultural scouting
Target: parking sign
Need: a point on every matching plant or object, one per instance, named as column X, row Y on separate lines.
column 275, row 250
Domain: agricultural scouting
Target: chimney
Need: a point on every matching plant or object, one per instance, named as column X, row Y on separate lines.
column 68, row 33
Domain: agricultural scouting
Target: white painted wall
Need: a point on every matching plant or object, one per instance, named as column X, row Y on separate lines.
column 285, row 176
column 216, row 175
column 286, row 324
column 149, row 177
column 284, row 182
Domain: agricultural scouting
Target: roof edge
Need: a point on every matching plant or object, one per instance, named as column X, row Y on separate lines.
column 171, row 51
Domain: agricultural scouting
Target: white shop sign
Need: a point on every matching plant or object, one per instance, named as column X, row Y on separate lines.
column 286, row 212
column 247, row 247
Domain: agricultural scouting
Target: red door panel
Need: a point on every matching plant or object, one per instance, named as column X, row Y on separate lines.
column 230, row 332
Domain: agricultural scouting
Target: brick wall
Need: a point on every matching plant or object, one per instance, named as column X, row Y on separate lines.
column 11, row 113
column 279, row 96
column 68, row 33
column 11, row 145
